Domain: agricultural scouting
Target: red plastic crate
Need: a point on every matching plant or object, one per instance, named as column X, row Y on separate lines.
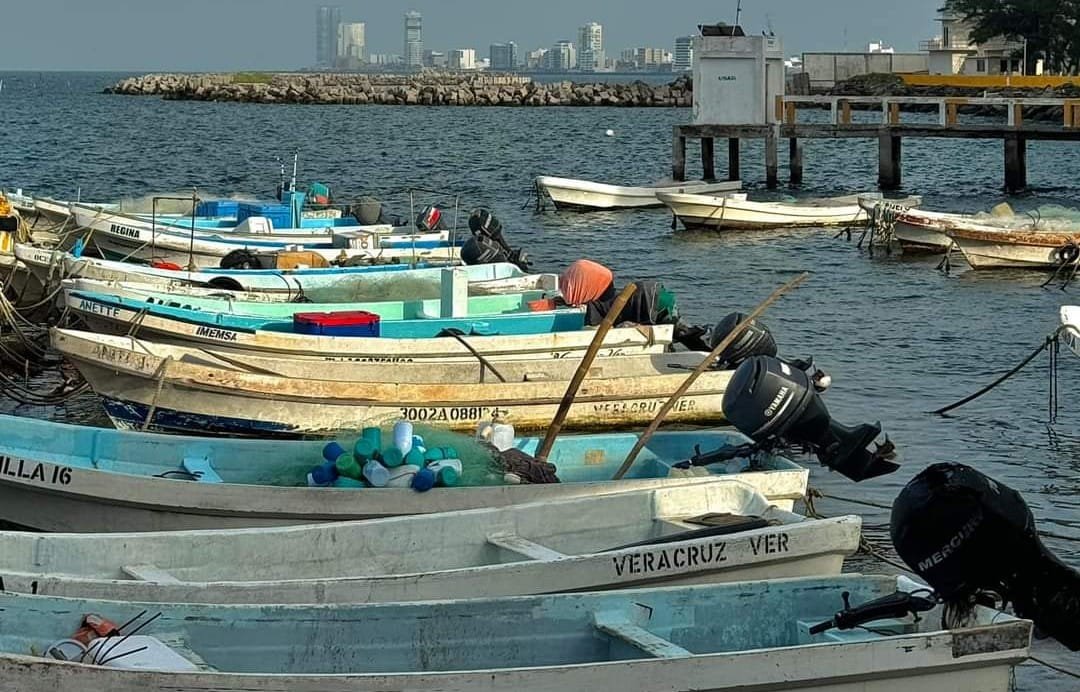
column 346, row 323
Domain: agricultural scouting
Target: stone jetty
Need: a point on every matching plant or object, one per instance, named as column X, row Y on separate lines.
column 422, row 89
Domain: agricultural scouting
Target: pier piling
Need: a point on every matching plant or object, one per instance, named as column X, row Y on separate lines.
column 1015, row 162
column 678, row 155
column 733, row 158
column 771, row 163
column 888, row 160
column 795, row 160
column 708, row 159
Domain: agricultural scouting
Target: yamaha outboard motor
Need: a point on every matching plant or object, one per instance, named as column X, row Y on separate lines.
column 965, row 533
column 755, row 340
column 770, row 400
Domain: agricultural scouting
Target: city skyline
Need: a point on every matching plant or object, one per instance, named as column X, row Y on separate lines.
column 127, row 35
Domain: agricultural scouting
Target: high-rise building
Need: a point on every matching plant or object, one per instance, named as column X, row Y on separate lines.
column 463, row 59
column 351, row 46
column 414, row 39
column 327, row 19
column 503, row 56
column 684, row 54
column 536, row 59
column 562, row 57
column 435, row 58
column 590, row 47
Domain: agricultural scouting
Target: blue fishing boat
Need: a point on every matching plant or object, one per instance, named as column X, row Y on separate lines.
column 766, row 636
column 59, row 477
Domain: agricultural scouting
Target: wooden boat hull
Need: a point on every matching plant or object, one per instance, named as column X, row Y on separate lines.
column 915, row 237
column 176, row 396
column 1070, row 319
column 585, row 195
column 519, row 550
column 720, row 638
column 720, row 213
column 57, row 477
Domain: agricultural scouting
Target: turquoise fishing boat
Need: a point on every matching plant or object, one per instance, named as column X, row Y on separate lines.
column 60, row 477
column 766, row 636
column 108, row 312
column 222, row 302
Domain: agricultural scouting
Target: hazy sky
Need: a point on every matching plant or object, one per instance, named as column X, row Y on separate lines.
column 142, row 35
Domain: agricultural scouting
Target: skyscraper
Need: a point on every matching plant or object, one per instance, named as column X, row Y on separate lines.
column 684, row 54
column 504, row 56
column 351, row 45
column 414, row 39
column 327, row 19
column 562, row 57
column 590, row 47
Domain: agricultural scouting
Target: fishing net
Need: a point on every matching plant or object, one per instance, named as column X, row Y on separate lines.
column 365, row 289
column 1050, row 218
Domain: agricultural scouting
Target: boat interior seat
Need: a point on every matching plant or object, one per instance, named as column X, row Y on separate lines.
column 149, row 573
column 618, row 626
column 524, row 547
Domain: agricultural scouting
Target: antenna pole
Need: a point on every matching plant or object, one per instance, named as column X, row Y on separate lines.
column 738, row 11
column 295, row 159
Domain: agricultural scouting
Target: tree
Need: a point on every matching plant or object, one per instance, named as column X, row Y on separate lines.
column 1051, row 28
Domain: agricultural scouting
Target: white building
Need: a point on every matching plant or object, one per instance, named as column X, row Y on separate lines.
column 414, row 39
column 350, row 44
column 463, row 59
column 536, row 59
column 590, row 47
column 684, row 54
column 953, row 52
column 562, row 57
column 879, row 47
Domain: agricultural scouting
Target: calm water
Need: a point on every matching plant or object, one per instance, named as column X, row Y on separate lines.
column 899, row 338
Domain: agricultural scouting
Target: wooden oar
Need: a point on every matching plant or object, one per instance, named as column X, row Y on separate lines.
column 583, row 369
column 702, row 367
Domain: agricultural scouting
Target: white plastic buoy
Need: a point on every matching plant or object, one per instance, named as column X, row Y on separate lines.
column 610, row 133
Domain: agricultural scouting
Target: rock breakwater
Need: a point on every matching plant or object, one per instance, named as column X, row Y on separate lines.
column 425, row 89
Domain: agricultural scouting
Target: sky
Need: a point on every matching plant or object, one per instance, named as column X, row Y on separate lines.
column 208, row 35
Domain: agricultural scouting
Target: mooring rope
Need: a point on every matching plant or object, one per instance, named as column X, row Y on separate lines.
column 1048, row 343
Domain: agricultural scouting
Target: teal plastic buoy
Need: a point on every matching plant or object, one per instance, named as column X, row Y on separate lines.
column 345, row 482
column 392, row 457
column 347, row 466
column 415, row 457
column 364, row 451
column 373, row 435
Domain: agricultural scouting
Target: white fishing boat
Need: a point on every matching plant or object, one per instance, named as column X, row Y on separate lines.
column 738, row 212
column 129, row 237
column 383, row 282
column 1070, row 320
column 568, row 193
column 913, row 230
column 714, row 530
column 992, row 247
column 145, row 390
column 765, row 636
column 60, row 477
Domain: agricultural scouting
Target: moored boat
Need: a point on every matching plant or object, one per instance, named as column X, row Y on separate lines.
column 1070, row 321
column 568, row 193
column 656, row 537
column 761, row 635
column 736, row 212
column 141, row 389
column 990, row 247
column 59, row 477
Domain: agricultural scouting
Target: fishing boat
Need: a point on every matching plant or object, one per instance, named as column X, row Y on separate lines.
column 335, row 284
column 224, row 302
column 59, row 477
column 913, row 230
column 568, row 193
column 991, row 247
column 1070, row 320
column 544, row 335
column 143, row 389
column 738, row 212
column 768, row 636
column 204, row 244
column 715, row 530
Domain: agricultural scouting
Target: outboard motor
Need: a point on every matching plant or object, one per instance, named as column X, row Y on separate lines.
column 755, row 340
column 769, row 400
column 965, row 533
column 367, row 210
column 490, row 243
column 430, row 219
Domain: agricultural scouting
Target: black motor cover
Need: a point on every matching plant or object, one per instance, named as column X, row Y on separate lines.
column 755, row 340
column 246, row 259
column 768, row 399
column 367, row 210
column 964, row 532
column 482, row 250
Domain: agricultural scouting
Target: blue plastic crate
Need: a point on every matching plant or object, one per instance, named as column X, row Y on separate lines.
column 279, row 214
column 218, row 207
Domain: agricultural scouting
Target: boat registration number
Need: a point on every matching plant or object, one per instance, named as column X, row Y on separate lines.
column 27, row 470
column 450, row 413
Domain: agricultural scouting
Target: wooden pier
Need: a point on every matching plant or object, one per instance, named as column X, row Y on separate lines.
column 890, row 130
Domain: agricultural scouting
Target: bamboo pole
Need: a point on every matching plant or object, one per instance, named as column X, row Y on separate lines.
column 702, row 367
column 583, row 369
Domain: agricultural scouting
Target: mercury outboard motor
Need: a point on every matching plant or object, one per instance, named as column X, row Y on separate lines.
column 430, row 219
column 488, row 242
column 966, row 534
column 770, row 400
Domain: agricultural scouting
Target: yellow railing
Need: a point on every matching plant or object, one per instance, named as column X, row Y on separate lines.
column 988, row 81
